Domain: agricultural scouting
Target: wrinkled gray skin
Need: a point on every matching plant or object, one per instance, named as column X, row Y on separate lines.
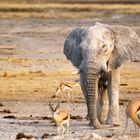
column 98, row 49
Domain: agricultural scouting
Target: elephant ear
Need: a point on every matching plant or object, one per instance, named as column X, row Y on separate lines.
column 127, row 46
column 72, row 48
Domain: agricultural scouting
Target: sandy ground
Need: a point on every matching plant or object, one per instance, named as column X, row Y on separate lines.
column 31, row 66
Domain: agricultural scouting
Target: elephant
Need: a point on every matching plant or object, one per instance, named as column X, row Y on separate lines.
column 98, row 49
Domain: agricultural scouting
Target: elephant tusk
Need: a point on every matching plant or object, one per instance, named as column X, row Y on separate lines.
column 76, row 72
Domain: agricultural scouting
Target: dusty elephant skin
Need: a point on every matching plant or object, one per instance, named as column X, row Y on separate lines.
column 101, row 48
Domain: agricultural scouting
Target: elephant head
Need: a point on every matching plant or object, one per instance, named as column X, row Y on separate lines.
column 96, row 49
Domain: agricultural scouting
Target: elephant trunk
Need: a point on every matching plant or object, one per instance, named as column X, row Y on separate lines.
column 92, row 94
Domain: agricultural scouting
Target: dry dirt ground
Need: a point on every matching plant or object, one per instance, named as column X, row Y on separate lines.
column 31, row 66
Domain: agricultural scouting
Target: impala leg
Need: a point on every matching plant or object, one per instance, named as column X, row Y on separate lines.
column 63, row 129
column 58, row 130
column 126, row 124
column 57, row 92
column 71, row 95
column 135, row 128
column 68, row 94
column 139, row 132
column 68, row 127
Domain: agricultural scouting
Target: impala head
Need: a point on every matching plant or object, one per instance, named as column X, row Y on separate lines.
column 54, row 109
column 57, row 90
column 138, row 113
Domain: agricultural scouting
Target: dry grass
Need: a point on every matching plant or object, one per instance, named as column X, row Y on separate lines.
column 42, row 84
column 130, row 76
column 46, row 15
column 35, row 74
column 68, row 1
column 24, row 61
column 51, row 10
column 31, row 85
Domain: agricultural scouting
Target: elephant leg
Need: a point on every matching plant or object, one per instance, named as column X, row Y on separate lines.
column 99, row 105
column 105, row 106
column 103, row 97
column 113, row 91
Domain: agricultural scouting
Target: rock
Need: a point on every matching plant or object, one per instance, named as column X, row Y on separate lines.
column 22, row 135
column 10, row 116
column 45, row 136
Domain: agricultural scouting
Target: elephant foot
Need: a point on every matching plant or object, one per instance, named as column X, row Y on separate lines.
column 116, row 122
column 103, row 122
column 113, row 123
column 97, row 125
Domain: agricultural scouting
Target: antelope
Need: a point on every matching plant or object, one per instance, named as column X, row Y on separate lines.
column 138, row 113
column 133, row 112
column 66, row 87
column 60, row 117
